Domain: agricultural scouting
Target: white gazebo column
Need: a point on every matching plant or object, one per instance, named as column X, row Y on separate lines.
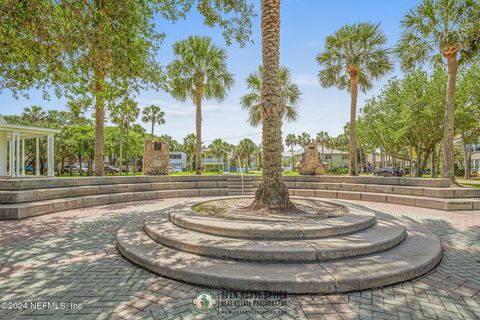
column 22, row 168
column 11, row 157
column 50, row 156
column 17, row 154
column 3, row 153
column 37, row 156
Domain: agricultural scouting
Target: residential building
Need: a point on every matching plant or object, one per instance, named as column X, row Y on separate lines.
column 178, row 160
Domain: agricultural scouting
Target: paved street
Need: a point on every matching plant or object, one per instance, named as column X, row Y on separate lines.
column 69, row 260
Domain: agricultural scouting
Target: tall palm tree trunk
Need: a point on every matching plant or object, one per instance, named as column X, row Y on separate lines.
column 198, row 128
column 99, row 122
column 272, row 194
column 448, row 133
column 153, row 125
column 353, row 72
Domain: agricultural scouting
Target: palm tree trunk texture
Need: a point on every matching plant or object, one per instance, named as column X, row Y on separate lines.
column 99, row 123
column 448, row 133
column 293, row 160
column 153, row 125
column 272, row 194
column 198, row 127
column 353, row 71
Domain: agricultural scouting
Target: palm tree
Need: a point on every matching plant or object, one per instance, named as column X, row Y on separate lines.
column 435, row 31
column 321, row 139
column 154, row 115
column 199, row 71
column 246, row 149
column 251, row 101
column 354, row 56
column 272, row 194
column 173, row 145
column 123, row 114
column 303, row 140
column 218, row 148
column 291, row 141
column 34, row 115
column 189, row 148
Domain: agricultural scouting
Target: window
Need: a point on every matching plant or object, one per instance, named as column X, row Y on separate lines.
column 345, row 156
column 175, row 156
column 328, row 156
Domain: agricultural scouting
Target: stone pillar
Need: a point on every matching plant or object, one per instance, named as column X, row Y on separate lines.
column 311, row 163
column 156, row 158
column 3, row 153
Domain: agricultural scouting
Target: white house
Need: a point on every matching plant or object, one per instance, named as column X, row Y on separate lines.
column 178, row 160
column 12, row 148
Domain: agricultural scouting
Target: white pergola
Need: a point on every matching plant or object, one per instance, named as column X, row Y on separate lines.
column 12, row 148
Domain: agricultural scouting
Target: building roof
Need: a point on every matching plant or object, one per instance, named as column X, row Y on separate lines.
column 25, row 131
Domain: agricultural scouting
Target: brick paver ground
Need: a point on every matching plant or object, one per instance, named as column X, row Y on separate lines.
column 53, row 264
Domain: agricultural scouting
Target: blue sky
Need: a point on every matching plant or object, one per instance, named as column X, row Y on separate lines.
column 304, row 27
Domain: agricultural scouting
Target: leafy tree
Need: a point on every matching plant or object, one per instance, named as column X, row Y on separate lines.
column 291, row 141
column 154, row 115
column 199, row 71
column 272, row 194
column 354, row 56
column 290, row 96
column 399, row 115
column 98, row 48
column 123, row 114
column 435, row 31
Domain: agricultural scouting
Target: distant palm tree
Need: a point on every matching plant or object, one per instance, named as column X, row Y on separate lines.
column 354, row 56
column 291, row 141
column 189, row 148
column 199, row 71
column 436, row 30
column 154, row 115
column 246, row 149
column 123, row 114
column 321, row 139
column 303, row 140
column 218, row 148
column 173, row 145
column 33, row 115
column 290, row 96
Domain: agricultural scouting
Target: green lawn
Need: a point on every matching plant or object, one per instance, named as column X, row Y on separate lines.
column 469, row 183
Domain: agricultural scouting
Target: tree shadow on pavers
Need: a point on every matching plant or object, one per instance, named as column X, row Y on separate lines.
column 171, row 299
column 99, row 286
column 418, row 299
column 460, row 237
column 85, row 237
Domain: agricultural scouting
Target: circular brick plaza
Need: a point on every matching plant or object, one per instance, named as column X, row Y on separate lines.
column 70, row 257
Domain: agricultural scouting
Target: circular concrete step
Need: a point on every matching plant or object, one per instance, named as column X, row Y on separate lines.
column 384, row 235
column 416, row 255
column 358, row 218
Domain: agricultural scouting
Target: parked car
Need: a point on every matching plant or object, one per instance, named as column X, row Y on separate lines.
column 111, row 170
column 71, row 168
column 388, row 172
column 28, row 169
